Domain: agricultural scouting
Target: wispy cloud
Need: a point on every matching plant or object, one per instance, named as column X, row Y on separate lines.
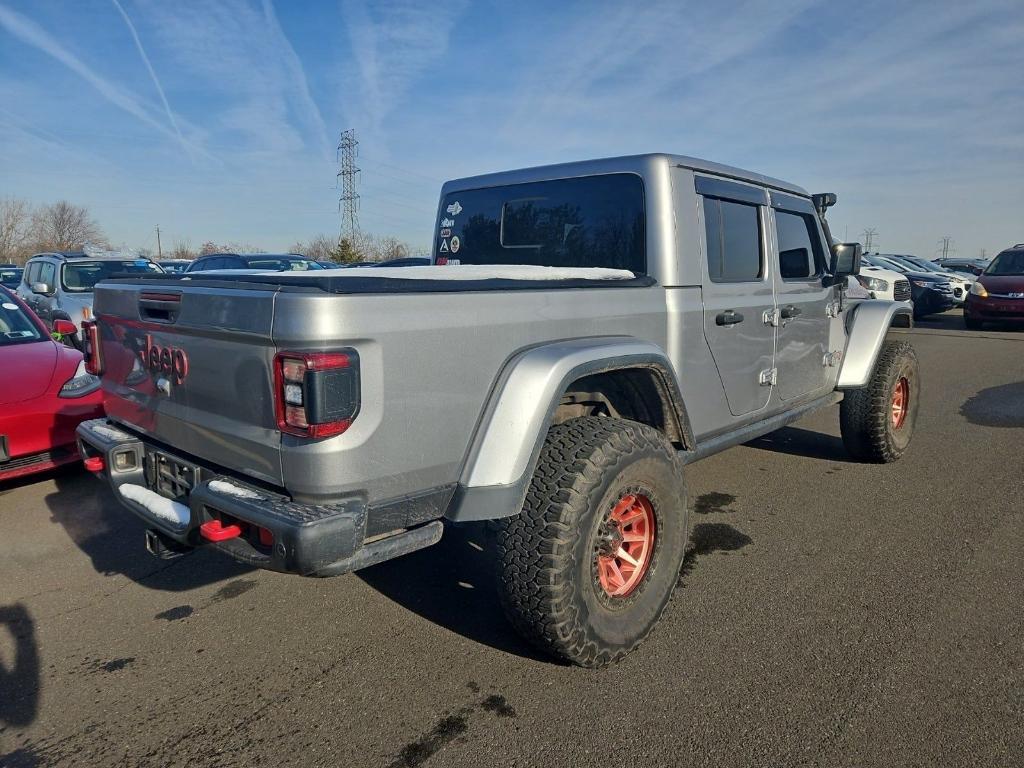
column 392, row 44
column 294, row 65
column 32, row 34
column 239, row 56
column 152, row 73
column 623, row 62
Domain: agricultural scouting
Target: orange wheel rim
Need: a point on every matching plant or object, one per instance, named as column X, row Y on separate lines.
column 900, row 402
column 625, row 545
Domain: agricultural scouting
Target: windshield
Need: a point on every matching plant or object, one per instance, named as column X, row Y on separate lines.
column 590, row 221
column 927, row 266
column 82, row 276
column 1007, row 263
column 877, row 261
column 281, row 264
column 15, row 325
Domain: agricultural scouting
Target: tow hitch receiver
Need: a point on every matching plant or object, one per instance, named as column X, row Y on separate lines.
column 164, row 547
column 214, row 530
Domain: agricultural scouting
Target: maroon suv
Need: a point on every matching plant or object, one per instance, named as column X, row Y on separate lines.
column 998, row 293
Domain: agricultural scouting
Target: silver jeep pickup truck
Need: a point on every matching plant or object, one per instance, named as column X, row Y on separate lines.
column 585, row 331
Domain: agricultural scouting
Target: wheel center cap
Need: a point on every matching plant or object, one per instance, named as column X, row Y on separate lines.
column 610, row 540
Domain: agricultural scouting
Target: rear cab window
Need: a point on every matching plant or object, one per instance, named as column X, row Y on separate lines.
column 588, row 221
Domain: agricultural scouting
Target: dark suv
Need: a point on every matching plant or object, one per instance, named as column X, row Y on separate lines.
column 930, row 293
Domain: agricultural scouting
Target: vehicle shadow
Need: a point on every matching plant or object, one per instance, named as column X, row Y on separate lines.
column 113, row 538
column 19, row 681
column 1001, row 406
column 797, row 441
column 452, row 584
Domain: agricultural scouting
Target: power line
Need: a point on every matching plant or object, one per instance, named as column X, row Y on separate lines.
column 348, row 203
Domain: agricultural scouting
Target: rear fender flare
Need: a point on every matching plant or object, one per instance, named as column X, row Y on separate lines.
column 521, row 408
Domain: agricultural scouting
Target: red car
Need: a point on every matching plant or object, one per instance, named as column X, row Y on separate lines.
column 44, row 392
column 998, row 293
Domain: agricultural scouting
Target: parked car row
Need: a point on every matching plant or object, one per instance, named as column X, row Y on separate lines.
column 929, row 293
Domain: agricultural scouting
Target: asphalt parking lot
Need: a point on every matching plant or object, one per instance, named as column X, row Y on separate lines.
column 830, row 613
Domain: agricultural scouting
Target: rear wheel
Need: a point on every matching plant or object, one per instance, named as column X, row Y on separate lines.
column 587, row 568
column 877, row 421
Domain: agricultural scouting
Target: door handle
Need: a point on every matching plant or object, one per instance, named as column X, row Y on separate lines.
column 790, row 311
column 729, row 317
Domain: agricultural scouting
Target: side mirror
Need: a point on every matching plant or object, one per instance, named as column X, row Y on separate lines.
column 43, row 289
column 845, row 260
column 64, row 327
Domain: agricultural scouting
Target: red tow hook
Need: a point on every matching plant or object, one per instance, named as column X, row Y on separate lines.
column 214, row 531
column 94, row 463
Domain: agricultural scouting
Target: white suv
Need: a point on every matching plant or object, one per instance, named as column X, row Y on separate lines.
column 884, row 283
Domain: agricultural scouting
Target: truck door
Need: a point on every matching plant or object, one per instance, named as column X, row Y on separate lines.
column 737, row 291
column 803, row 300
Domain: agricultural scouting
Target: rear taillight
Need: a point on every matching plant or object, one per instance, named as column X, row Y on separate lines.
column 91, row 348
column 316, row 394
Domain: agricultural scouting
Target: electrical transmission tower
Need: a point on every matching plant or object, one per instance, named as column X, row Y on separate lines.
column 946, row 245
column 869, row 238
column 348, row 203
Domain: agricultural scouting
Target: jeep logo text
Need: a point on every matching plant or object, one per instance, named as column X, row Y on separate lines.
column 172, row 362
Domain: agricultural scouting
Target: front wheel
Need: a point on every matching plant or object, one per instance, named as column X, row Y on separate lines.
column 877, row 421
column 588, row 566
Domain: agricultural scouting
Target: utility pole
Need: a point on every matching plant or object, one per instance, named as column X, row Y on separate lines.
column 348, row 203
column 159, row 250
column 869, row 238
column 946, row 245
column 982, row 254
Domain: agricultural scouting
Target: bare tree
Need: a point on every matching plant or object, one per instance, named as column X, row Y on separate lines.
column 320, row 248
column 15, row 217
column 391, row 248
column 62, row 226
column 182, row 250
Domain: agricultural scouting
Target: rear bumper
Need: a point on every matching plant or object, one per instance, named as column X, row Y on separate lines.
column 275, row 532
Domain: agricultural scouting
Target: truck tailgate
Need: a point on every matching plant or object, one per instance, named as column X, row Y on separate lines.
column 193, row 367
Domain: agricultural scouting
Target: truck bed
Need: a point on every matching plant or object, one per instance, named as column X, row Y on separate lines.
column 430, row 353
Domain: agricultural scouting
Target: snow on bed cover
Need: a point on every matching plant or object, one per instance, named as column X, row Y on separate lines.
column 173, row 512
column 229, row 489
column 471, row 272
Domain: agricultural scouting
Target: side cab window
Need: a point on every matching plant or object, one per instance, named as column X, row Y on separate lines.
column 798, row 235
column 32, row 273
column 733, row 232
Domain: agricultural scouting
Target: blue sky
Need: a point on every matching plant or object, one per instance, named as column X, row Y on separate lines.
column 218, row 120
